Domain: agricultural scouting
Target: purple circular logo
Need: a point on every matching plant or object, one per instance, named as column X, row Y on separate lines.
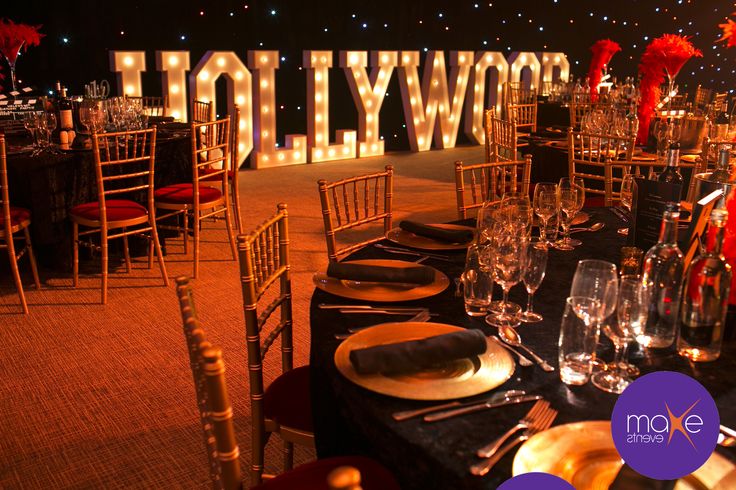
column 665, row 425
column 535, row 481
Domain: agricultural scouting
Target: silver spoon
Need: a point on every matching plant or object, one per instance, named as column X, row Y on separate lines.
column 593, row 227
column 512, row 337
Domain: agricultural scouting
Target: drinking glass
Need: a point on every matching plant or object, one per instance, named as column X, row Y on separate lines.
column 631, row 313
column 548, row 232
column 536, row 265
column 545, row 204
column 30, row 122
column 571, row 196
column 627, row 196
column 509, row 263
column 477, row 284
column 519, row 215
column 597, row 279
column 578, row 339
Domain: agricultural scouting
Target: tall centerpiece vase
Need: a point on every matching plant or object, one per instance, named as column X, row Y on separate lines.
column 11, row 56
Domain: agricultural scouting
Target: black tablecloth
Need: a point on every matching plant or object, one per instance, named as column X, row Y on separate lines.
column 552, row 114
column 51, row 184
column 350, row 419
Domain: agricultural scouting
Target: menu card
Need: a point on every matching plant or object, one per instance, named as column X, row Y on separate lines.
column 650, row 198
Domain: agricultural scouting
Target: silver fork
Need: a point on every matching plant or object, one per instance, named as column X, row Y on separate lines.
column 422, row 316
column 538, row 410
column 542, row 424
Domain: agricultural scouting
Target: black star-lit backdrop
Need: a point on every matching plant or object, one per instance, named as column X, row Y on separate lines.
column 80, row 33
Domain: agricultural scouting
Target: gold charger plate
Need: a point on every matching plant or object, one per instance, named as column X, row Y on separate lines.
column 583, row 454
column 456, row 379
column 408, row 239
column 381, row 291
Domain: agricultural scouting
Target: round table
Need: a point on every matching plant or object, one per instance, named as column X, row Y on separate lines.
column 352, row 420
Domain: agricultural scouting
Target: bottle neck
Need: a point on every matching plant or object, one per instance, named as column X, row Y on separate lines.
column 668, row 230
column 673, row 157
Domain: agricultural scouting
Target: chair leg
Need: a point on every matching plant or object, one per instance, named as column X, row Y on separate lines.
column 236, row 206
column 150, row 248
column 159, row 253
column 32, row 258
column 230, row 234
column 16, row 272
column 75, row 260
column 195, row 225
column 103, row 243
column 288, row 456
column 126, row 252
column 186, row 231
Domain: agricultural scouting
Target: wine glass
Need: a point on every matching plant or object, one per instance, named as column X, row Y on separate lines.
column 627, row 196
column 571, row 196
column 545, row 205
column 508, row 265
column 631, row 312
column 518, row 214
column 536, row 265
column 30, row 122
column 597, row 279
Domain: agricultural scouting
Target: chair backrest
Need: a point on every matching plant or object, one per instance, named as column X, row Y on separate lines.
column 590, row 151
column 235, row 141
column 578, row 110
column 489, row 181
column 211, row 151
column 124, row 164
column 524, row 115
column 353, row 202
column 216, row 415
column 488, row 115
column 709, row 153
column 503, row 141
column 154, row 106
column 702, row 97
column 202, row 111
column 4, row 190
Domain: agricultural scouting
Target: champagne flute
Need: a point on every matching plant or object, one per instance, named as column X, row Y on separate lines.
column 571, row 195
column 536, row 266
column 627, row 196
column 509, row 263
column 631, row 314
column 545, row 205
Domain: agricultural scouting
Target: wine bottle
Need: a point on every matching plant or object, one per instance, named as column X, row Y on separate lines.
column 671, row 174
column 721, row 178
column 721, row 122
column 66, row 120
column 662, row 273
column 705, row 297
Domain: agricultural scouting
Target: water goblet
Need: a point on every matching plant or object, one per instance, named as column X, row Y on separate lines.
column 627, row 196
column 545, row 205
column 536, row 266
column 571, row 196
column 508, row 265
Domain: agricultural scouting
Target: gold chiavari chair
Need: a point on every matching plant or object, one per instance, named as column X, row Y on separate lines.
column 216, row 417
column 709, row 153
column 354, row 202
column 578, row 110
column 202, row 112
column 521, row 108
column 504, row 143
column 196, row 199
column 591, row 157
column 489, row 181
column 488, row 116
column 124, row 165
column 13, row 220
column 154, row 106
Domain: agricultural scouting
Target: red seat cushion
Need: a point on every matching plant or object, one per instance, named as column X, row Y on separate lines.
column 116, row 209
column 313, row 476
column 287, row 400
column 17, row 215
column 184, row 194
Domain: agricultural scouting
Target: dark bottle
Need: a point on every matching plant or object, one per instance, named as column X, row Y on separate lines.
column 671, row 174
column 721, row 123
column 705, row 297
column 66, row 120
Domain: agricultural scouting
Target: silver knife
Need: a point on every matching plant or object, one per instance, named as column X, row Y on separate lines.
column 477, row 407
column 387, row 311
column 328, row 306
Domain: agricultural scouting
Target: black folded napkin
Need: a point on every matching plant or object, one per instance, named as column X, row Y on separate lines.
column 628, row 479
column 377, row 273
column 415, row 355
column 436, row 233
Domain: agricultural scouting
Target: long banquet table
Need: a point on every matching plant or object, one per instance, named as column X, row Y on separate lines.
column 350, row 419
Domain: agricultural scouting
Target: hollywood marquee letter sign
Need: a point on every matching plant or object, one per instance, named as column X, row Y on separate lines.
column 432, row 102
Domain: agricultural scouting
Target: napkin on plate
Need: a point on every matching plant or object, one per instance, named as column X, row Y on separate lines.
column 441, row 234
column 378, row 273
column 414, row 355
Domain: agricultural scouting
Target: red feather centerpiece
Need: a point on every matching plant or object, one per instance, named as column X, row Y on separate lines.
column 729, row 242
column 603, row 50
column 729, row 32
column 665, row 55
column 13, row 38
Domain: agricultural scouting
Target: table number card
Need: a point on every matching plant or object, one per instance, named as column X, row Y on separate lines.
column 649, row 200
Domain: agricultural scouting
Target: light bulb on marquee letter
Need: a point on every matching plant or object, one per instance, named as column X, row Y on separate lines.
column 475, row 102
column 368, row 93
column 549, row 62
column 202, row 87
column 173, row 66
column 128, row 65
column 318, row 64
column 264, row 65
column 520, row 60
column 422, row 105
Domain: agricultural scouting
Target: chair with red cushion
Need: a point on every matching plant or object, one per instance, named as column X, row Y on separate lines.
column 198, row 200
column 124, row 164
column 216, row 417
column 13, row 220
